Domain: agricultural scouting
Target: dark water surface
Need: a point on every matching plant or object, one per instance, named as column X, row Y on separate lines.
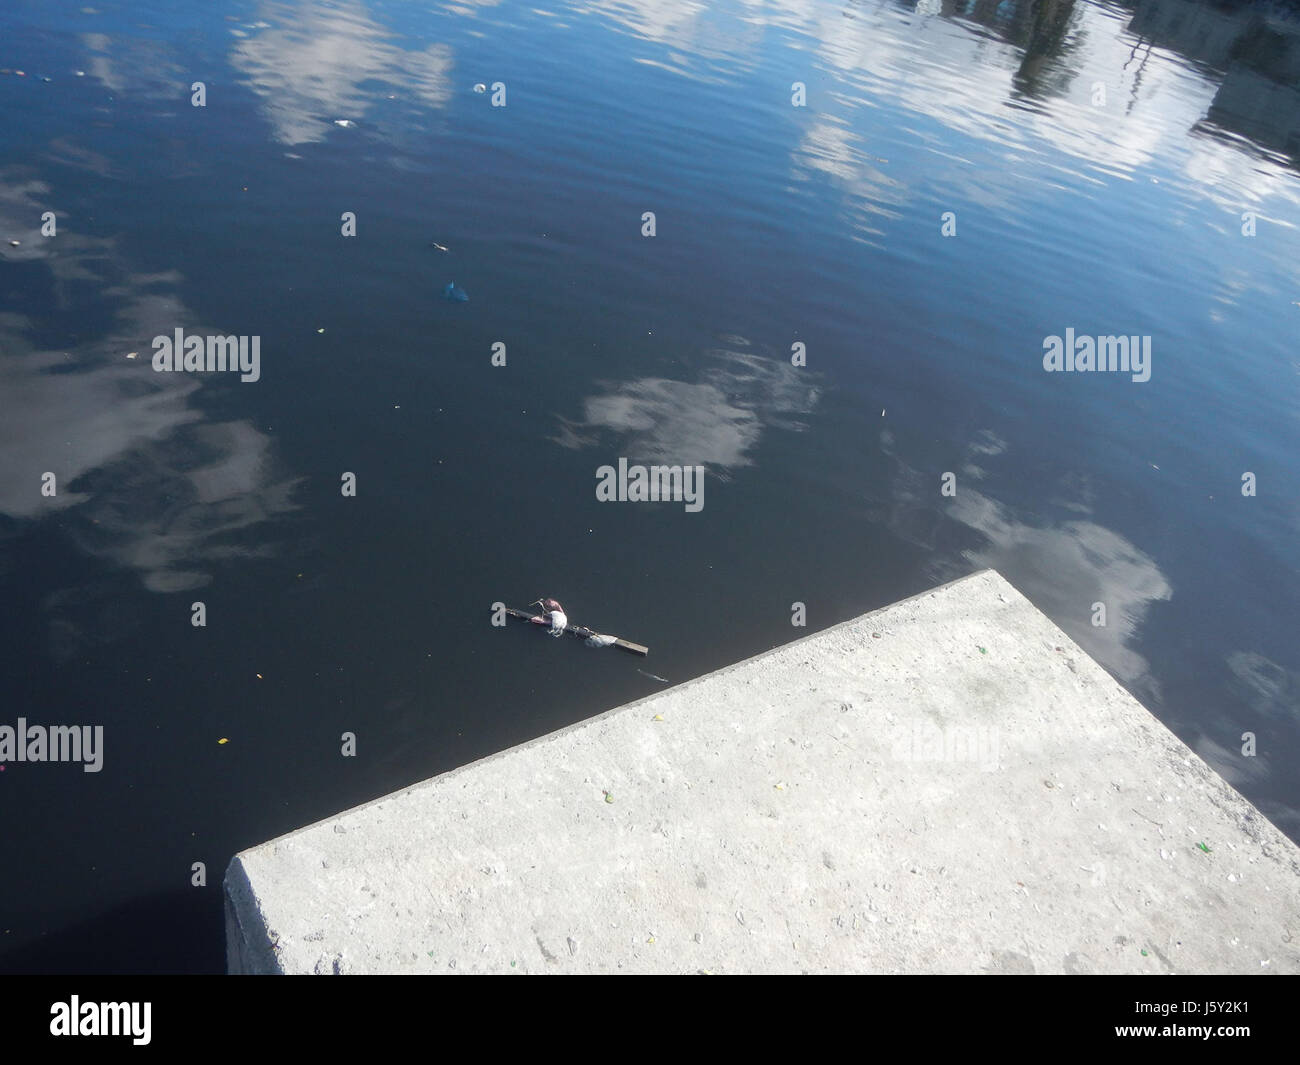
column 1111, row 210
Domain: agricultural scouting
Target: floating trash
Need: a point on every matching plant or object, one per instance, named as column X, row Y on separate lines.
column 557, row 624
column 480, row 87
column 455, row 293
column 440, row 247
column 345, row 123
column 223, row 740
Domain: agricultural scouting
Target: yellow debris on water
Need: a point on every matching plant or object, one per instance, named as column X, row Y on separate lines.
column 223, row 740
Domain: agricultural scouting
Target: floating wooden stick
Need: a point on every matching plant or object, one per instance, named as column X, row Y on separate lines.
column 593, row 638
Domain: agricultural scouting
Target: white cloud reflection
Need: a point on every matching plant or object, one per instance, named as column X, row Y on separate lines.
column 969, row 80
column 142, row 480
column 715, row 421
column 1062, row 567
column 312, row 63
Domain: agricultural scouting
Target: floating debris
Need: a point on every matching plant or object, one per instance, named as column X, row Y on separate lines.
column 1204, row 847
column 480, row 87
column 345, row 123
column 223, row 740
column 440, row 247
column 132, row 354
column 455, row 293
column 652, row 676
column 557, row 624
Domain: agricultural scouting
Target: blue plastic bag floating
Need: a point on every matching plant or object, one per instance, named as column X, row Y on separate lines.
column 454, row 293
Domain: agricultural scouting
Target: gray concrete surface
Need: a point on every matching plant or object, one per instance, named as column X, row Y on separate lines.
column 945, row 785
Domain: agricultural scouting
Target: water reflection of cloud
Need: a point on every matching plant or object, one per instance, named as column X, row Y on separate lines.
column 192, row 503
column 1254, row 772
column 831, row 147
column 1063, row 568
column 142, row 66
column 715, row 421
column 142, row 481
column 1272, row 693
column 310, row 68
column 700, row 35
column 1269, row 689
column 964, row 76
column 64, row 152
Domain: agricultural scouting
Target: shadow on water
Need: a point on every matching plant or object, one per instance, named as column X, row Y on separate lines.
column 178, row 931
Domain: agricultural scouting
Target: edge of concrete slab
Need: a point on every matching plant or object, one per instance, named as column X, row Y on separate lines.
column 249, row 951
column 587, row 722
column 1079, row 705
column 254, row 954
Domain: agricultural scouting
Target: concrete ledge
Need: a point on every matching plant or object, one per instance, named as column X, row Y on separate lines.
column 945, row 785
